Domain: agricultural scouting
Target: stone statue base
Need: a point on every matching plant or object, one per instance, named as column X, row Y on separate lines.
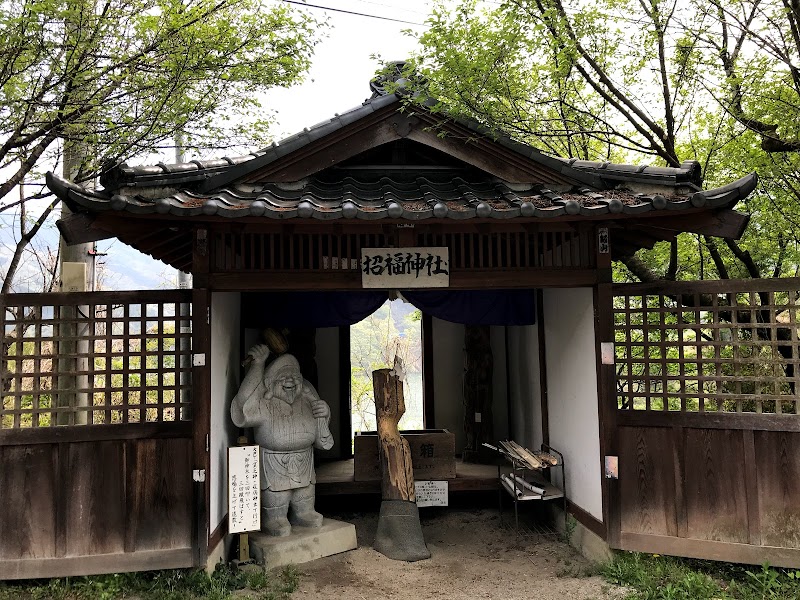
column 304, row 544
column 399, row 534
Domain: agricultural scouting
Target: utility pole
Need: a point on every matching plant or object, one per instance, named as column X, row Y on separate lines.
column 73, row 347
column 185, row 322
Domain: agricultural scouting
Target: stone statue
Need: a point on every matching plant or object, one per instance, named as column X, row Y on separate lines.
column 289, row 420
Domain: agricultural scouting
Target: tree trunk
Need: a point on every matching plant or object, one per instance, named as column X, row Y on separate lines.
column 397, row 477
column 399, row 532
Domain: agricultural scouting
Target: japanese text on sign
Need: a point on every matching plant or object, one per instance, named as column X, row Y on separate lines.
column 244, row 489
column 431, row 493
column 405, row 267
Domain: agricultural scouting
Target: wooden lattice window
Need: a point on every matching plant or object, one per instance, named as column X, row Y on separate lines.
column 514, row 249
column 292, row 251
column 95, row 358
column 691, row 350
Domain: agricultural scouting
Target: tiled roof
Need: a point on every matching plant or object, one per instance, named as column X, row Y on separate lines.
column 211, row 175
column 216, row 188
column 387, row 198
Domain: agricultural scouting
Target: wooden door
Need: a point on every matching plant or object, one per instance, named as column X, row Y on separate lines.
column 95, row 435
column 708, row 420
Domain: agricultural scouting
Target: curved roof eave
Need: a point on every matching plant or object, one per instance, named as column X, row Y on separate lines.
column 467, row 204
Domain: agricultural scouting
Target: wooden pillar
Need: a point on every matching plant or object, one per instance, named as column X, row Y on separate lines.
column 478, row 370
column 606, row 374
column 345, row 416
column 201, row 393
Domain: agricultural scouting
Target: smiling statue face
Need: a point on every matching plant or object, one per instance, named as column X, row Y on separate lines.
column 287, row 383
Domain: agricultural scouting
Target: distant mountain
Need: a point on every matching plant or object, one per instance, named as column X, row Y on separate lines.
column 120, row 266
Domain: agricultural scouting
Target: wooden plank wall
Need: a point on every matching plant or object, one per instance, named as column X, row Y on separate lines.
column 726, row 494
column 103, row 505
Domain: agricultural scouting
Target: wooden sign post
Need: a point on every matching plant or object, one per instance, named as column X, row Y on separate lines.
column 244, row 495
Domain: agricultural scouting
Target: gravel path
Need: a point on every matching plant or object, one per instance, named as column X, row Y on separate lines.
column 472, row 556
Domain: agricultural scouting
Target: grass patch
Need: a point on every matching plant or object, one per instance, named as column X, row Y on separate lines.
column 654, row 577
column 178, row 584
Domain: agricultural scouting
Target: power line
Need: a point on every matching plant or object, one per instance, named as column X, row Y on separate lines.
column 352, row 12
column 393, row 7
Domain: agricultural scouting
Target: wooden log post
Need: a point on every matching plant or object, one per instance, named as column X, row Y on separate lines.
column 399, row 533
column 394, row 454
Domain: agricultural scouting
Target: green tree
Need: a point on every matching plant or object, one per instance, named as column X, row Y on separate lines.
column 104, row 80
column 642, row 80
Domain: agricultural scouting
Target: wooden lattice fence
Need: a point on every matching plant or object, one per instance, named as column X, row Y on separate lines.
column 96, row 433
column 73, row 359
column 698, row 350
column 707, row 425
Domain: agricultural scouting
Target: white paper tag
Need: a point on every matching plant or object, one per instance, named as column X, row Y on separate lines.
column 431, row 493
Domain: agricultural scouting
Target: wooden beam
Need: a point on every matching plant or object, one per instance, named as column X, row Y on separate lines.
column 73, row 566
column 201, row 415
column 542, row 344
column 428, row 393
column 723, row 286
column 584, row 518
column 724, row 223
column 351, row 280
column 362, row 135
column 652, row 231
column 606, row 406
column 710, row 550
column 485, row 153
column 79, row 228
column 345, row 408
column 709, row 420
column 637, row 238
column 93, row 433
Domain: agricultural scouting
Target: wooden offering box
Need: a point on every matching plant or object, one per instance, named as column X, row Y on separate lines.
column 433, row 454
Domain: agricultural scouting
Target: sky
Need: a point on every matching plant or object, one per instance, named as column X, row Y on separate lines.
column 342, row 67
column 343, row 64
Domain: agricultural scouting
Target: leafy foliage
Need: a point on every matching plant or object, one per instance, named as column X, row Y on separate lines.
column 96, row 82
column 375, row 342
column 717, row 81
column 654, row 577
column 181, row 584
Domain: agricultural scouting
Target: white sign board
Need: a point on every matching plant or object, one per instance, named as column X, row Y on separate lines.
column 400, row 268
column 244, row 489
column 431, row 493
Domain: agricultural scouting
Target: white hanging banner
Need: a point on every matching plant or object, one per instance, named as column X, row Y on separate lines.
column 244, row 489
column 399, row 268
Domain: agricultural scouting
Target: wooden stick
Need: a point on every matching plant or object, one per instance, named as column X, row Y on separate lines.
column 527, row 457
column 548, row 458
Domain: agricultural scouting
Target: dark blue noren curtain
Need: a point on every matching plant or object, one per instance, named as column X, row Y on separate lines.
column 309, row 309
column 477, row 307
column 334, row 309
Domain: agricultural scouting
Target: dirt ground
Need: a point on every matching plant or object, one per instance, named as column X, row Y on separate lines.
column 472, row 556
